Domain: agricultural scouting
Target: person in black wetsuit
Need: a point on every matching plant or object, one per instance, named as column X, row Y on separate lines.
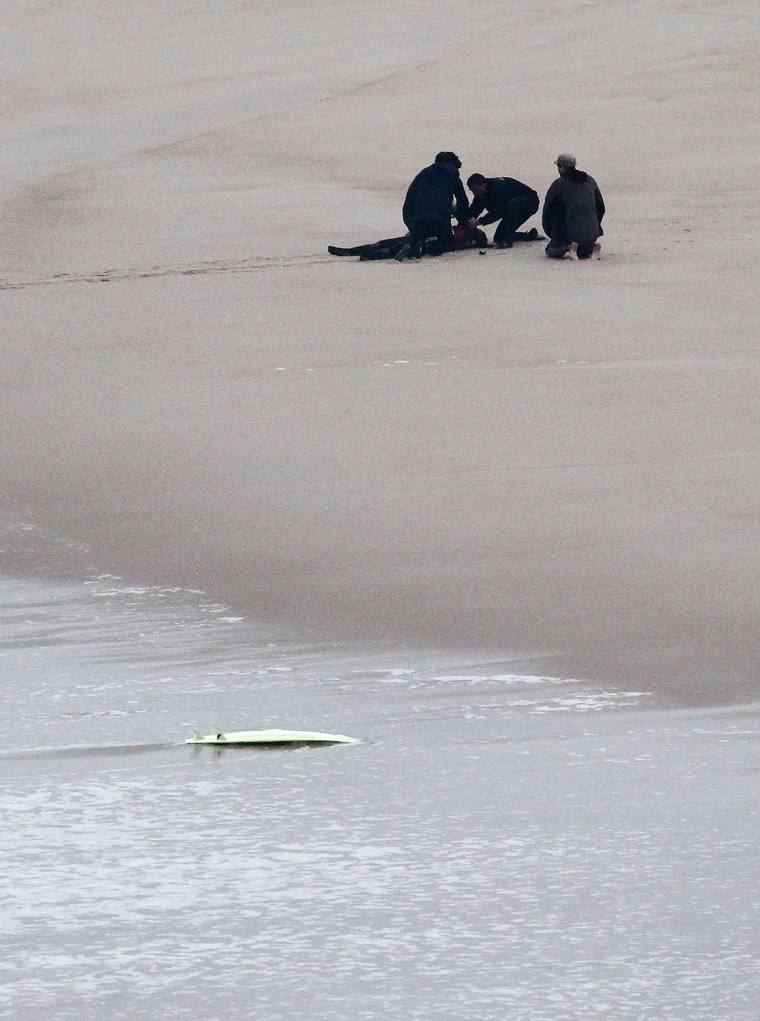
column 507, row 200
column 462, row 237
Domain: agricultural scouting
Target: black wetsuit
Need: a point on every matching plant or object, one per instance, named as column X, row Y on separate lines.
column 507, row 200
column 390, row 247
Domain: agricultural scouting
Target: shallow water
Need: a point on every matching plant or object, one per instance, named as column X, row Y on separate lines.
column 500, row 844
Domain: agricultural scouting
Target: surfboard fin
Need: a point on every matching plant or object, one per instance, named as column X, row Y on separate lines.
column 197, row 735
column 219, row 733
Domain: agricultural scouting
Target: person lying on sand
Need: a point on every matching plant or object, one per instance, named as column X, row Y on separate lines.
column 389, row 248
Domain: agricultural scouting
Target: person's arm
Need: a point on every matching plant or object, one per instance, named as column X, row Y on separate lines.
column 477, row 206
column 599, row 203
column 553, row 208
column 462, row 202
column 496, row 197
column 407, row 212
column 491, row 218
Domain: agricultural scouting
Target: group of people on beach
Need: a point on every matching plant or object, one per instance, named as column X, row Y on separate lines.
column 571, row 217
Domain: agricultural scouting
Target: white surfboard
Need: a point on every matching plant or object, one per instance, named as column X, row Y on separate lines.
column 267, row 737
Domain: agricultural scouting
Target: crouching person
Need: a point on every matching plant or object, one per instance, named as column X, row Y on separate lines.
column 507, row 201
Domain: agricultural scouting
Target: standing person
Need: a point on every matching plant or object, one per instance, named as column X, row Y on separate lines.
column 428, row 205
column 507, row 200
column 573, row 212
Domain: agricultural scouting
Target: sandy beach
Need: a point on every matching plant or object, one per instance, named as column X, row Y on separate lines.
column 491, row 452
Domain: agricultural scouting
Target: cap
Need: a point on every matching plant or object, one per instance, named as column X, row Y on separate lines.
column 565, row 160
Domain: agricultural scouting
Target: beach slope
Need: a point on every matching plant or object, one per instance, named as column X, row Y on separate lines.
column 495, row 452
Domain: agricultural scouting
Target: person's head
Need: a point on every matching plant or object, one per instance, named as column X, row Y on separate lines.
column 449, row 157
column 564, row 162
column 477, row 184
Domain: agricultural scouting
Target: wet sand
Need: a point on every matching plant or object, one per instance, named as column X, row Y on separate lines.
column 488, row 452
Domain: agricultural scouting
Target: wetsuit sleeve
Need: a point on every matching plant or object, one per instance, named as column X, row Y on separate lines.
column 492, row 197
column 491, row 218
column 407, row 212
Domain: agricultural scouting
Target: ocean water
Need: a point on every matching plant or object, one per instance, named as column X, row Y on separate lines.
column 501, row 844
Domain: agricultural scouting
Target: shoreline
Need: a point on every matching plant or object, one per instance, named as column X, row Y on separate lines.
column 70, row 562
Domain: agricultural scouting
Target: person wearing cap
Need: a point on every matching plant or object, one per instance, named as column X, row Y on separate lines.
column 573, row 212
column 509, row 201
column 427, row 207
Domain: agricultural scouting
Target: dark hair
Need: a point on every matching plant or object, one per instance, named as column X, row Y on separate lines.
column 476, row 179
column 449, row 157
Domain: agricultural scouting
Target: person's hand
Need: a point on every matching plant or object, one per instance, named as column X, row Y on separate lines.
column 472, row 222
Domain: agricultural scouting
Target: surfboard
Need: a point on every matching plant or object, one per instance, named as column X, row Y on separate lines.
column 268, row 737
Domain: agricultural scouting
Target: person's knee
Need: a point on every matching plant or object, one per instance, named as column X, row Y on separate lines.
column 555, row 251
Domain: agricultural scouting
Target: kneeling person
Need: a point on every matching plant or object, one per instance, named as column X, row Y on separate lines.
column 573, row 212
column 427, row 208
column 506, row 200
